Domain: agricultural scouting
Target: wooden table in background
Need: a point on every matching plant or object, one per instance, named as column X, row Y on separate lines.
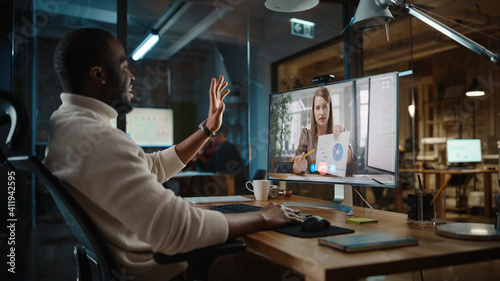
column 441, row 177
column 320, row 263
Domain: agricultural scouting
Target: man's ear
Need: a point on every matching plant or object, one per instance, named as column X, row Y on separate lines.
column 97, row 75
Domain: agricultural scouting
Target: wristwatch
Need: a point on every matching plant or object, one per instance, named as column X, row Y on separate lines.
column 203, row 127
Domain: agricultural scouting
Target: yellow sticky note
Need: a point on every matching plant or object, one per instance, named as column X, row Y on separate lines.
column 361, row 220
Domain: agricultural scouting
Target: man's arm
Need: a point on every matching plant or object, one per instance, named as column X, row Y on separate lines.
column 188, row 148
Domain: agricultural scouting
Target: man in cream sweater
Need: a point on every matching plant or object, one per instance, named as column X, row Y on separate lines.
column 119, row 185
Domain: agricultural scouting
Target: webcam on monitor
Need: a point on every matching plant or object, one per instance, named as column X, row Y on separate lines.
column 323, row 79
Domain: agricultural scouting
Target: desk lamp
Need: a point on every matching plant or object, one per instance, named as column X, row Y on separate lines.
column 373, row 13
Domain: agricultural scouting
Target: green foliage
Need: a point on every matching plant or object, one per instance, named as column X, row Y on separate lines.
column 280, row 123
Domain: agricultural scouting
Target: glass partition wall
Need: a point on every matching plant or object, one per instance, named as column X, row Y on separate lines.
column 197, row 40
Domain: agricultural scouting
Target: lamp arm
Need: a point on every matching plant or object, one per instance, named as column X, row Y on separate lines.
column 463, row 40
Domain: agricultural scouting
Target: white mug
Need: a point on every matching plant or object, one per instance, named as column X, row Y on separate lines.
column 260, row 189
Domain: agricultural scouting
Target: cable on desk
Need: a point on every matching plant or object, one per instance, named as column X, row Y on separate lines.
column 421, row 275
column 362, row 197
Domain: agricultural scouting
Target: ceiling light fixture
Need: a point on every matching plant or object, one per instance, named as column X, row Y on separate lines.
column 289, row 6
column 475, row 89
column 145, row 46
column 411, row 110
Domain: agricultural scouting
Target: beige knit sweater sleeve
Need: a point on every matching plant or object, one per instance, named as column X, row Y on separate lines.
column 128, row 202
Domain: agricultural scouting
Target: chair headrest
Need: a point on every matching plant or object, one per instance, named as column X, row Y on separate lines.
column 14, row 114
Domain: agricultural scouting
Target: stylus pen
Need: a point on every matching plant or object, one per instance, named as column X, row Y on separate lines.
column 377, row 181
column 440, row 189
column 419, row 183
column 304, row 155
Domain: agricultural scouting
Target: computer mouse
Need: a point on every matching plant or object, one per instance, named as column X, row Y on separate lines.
column 314, row 223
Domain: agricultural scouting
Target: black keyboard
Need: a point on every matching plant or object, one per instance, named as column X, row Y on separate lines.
column 241, row 208
column 236, row 208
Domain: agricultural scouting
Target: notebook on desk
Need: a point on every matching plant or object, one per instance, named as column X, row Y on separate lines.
column 366, row 242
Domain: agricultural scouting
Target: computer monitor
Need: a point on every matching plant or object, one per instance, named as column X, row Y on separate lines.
column 366, row 109
column 463, row 151
column 150, row 127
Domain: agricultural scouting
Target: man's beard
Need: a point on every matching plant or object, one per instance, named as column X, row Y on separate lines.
column 121, row 105
column 118, row 96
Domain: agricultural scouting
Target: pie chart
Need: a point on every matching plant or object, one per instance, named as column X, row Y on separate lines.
column 337, row 152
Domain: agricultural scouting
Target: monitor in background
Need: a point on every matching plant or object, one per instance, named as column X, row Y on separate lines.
column 367, row 110
column 463, row 151
column 150, row 127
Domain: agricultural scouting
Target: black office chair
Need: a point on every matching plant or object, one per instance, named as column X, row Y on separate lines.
column 14, row 124
column 93, row 257
column 285, row 167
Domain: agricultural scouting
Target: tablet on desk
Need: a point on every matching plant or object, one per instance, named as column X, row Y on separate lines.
column 217, row 199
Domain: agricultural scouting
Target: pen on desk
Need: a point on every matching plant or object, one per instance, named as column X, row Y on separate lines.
column 304, row 155
column 441, row 189
column 377, row 181
column 420, row 201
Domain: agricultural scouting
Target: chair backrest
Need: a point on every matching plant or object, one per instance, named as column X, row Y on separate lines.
column 100, row 260
column 285, row 167
column 13, row 112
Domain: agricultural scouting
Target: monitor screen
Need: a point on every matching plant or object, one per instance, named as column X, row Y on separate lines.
column 463, row 151
column 343, row 133
column 150, row 127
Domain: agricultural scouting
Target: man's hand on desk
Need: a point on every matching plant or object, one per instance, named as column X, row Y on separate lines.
column 271, row 216
column 277, row 215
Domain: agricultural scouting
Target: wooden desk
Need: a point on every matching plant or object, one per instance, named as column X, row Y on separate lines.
column 441, row 177
column 319, row 263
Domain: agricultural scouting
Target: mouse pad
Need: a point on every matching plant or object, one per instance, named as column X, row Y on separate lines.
column 295, row 230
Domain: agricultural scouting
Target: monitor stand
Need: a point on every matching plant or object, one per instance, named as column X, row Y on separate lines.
column 342, row 194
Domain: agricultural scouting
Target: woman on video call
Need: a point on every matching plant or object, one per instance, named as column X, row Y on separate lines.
column 321, row 124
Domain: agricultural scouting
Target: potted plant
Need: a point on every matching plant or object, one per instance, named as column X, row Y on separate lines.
column 280, row 124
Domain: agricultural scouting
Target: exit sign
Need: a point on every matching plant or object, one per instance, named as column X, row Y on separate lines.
column 302, row 28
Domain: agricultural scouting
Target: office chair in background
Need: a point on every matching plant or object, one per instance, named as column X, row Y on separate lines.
column 285, row 167
column 93, row 257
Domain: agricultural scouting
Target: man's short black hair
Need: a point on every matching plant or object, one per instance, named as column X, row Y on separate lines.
column 77, row 52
